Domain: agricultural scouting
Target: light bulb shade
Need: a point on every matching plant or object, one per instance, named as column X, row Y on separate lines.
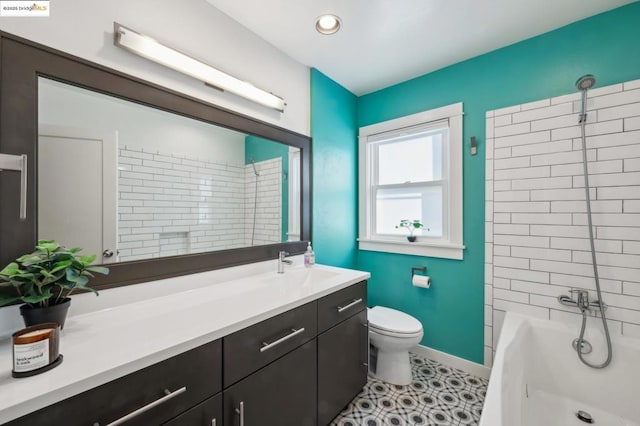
column 154, row 51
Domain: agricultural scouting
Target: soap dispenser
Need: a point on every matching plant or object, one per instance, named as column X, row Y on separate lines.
column 309, row 256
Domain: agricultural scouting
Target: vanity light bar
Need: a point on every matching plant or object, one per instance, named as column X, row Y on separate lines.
column 150, row 49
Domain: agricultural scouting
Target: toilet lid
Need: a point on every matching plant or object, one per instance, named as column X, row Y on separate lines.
column 394, row 321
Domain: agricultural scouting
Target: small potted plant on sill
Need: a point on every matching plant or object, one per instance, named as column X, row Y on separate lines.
column 45, row 279
column 412, row 226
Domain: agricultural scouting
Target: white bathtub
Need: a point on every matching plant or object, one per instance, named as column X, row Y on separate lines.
column 537, row 379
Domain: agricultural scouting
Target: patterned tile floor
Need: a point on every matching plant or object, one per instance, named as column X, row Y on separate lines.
column 438, row 395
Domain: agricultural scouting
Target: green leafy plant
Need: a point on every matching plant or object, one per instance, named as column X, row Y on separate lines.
column 411, row 225
column 47, row 276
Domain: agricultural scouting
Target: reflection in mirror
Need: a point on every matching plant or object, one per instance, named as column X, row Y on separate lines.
column 133, row 182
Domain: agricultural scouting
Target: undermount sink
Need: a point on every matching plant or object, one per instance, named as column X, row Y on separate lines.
column 300, row 275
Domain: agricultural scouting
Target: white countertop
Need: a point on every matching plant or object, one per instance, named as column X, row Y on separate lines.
column 109, row 343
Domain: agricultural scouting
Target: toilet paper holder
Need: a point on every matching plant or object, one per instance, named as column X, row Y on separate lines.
column 422, row 269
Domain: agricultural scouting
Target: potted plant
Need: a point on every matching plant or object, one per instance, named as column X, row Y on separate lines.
column 45, row 279
column 411, row 225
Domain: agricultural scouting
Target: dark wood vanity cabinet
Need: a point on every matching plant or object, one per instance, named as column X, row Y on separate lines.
column 207, row 413
column 342, row 350
column 270, row 371
column 342, row 365
column 252, row 348
column 150, row 396
column 299, row 368
column 283, row 393
column 338, row 306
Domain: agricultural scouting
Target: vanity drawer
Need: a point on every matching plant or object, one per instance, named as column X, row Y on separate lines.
column 340, row 305
column 254, row 347
column 207, row 413
column 190, row 378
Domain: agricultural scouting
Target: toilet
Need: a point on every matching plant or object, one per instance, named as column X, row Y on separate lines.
column 391, row 334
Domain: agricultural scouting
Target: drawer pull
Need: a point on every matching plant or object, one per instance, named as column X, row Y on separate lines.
column 350, row 305
column 213, row 422
column 266, row 346
column 149, row 406
column 240, row 412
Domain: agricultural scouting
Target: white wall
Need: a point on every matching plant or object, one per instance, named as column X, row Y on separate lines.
column 537, row 245
column 265, row 226
column 139, row 127
column 85, row 29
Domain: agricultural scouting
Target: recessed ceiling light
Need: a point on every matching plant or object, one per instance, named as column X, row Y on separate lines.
column 328, row 24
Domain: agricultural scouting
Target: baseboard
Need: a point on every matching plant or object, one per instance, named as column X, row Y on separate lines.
column 472, row 368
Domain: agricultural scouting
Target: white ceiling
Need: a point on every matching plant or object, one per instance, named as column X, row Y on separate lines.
column 384, row 42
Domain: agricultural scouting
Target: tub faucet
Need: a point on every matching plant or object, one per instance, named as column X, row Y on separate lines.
column 282, row 260
column 581, row 301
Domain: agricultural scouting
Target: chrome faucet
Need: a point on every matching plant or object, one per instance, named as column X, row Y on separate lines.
column 282, row 260
column 581, row 301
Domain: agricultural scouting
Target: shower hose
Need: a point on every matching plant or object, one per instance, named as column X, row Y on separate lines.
column 583, row 119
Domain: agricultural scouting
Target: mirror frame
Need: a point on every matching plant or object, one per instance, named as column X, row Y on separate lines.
column 23, row 62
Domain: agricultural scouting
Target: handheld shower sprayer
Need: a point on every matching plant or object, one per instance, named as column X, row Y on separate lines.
column 583, row 84
column 582, row 302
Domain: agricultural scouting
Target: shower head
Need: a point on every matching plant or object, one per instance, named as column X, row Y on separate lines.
column 583, row 84
column 586, row 82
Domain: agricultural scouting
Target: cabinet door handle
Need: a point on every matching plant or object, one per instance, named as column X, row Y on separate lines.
column 168, row 395
column 266, row 346
column 213, row 422
column 240, row 412
column 368, row 355
column 350, row 305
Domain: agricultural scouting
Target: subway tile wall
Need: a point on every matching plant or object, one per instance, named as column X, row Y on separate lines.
column 170, row 204
column 537, row 245
column 268, row 204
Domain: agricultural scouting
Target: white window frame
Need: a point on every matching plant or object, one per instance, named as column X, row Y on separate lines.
column 293, row 232
column 450, row 246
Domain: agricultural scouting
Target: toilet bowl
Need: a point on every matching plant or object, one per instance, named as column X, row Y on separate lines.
column 392, row 333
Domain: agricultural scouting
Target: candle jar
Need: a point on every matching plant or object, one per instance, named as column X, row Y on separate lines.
column 36, row 349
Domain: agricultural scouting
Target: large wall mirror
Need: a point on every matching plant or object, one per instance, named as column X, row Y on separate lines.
column 149, row 183
column 155, row 183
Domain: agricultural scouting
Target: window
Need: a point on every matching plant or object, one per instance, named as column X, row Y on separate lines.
column 293, row 232
column 411, row 168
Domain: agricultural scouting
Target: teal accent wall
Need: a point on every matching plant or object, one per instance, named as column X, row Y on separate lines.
column 335, row 178
column 260, row 149
column 452, row 310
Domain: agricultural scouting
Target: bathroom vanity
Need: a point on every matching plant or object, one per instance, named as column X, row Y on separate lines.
column 198, row 340
column 267, row 349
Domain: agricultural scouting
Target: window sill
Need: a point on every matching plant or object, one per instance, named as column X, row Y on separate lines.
column 444, row 250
